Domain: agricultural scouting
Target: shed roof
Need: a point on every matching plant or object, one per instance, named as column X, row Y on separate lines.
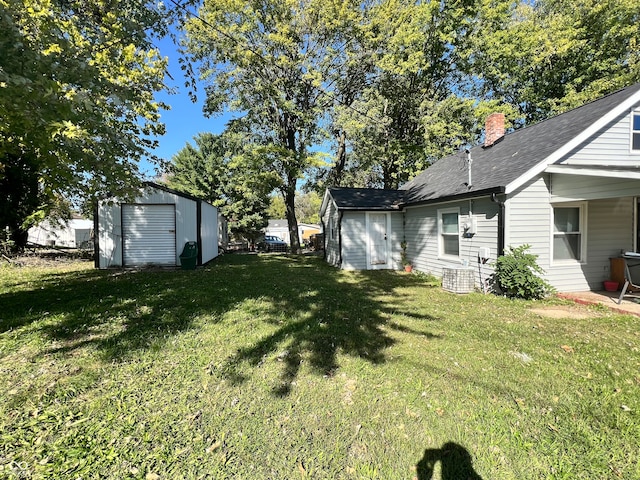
column 495, row 167
column 367, row 198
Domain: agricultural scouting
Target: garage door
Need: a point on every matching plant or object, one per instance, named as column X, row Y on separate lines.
column 149, row 234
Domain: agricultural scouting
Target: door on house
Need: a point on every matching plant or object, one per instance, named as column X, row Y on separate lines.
column 148, row 234
column 378, row 251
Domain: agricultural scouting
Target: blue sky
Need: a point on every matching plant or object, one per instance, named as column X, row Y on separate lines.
column 185, row 119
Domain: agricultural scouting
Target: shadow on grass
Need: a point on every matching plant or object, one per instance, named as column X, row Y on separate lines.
column 455, row 463
column 317, row 311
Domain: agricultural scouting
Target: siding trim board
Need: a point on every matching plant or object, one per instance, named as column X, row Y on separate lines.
column 595, row 171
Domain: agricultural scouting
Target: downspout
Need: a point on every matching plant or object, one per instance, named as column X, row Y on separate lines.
column 339, row 232
column 96, row 240
column 494, row 198
column 469, row 162
column 324, row 239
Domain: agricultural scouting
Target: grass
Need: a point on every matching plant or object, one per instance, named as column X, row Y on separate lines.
column 276, row 367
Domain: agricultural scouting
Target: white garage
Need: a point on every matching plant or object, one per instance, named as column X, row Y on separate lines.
column 152, row 229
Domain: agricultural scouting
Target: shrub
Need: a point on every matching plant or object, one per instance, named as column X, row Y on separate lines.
column 518, row 274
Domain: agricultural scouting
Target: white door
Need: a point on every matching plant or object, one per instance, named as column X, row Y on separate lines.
column 149, row 234
column 378, row 243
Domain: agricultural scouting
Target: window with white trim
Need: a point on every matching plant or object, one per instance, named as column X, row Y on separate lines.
column 568, row 233
column 635, row 132
column 449, row 232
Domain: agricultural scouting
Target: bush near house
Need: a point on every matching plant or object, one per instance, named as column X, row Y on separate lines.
column 519, row 276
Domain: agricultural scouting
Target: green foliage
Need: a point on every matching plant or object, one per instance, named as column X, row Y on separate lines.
column 307, row 207
column 229, row 173
column 76, row 97
column 268, row 60
column 548, row 56
column 519, row 276
column 403, row 254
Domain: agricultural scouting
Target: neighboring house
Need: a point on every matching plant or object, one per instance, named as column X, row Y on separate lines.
column 568, row 186
column 280, row 228
column 153, row 229
column 74, row 233
column 305, row 230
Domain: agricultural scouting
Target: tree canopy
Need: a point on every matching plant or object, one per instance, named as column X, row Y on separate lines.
column 549, row 56
column 226, row 171
column 77, row 113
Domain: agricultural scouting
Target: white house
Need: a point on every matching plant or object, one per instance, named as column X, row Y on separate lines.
column 153, row 229
column 74, row 233
column 280, row 228
column 568, row 186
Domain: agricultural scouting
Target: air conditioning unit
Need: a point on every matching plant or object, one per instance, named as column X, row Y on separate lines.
column 458, row 279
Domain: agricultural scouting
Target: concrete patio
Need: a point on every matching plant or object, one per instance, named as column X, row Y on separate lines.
column 630, row 303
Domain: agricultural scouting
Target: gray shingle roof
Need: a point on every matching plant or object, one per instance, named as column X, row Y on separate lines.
column 495, row 167
column 367, row 198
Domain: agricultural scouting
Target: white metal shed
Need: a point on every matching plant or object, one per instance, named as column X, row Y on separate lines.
column 153, row 229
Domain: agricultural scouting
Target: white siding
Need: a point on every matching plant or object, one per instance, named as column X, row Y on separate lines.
column 421, row 235
column 110, row 224
column 353, row 234
column 208, row 232
column 397, row 237
column 109, row 235
column 609, row 146
column 528, row 219
column 355, row 242
column 609, row 231
column 331, row 234
column 75, row 233
column 223, row 231
column 565, row 188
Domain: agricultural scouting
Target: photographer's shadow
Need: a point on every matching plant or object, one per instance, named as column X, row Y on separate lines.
column 455, row 463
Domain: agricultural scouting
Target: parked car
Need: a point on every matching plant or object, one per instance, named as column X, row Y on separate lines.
column 271, row 243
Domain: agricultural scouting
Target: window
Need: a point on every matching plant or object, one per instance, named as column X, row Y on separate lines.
column 568, row 233
column 635, row 132
column 449, row 232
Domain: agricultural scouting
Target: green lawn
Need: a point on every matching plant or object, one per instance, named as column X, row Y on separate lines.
column 276, row 367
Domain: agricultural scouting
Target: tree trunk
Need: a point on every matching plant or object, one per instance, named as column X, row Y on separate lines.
column 289, row 189
column 292, row 221
column 341, row 157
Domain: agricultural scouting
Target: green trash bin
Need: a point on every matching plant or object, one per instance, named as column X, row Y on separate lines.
column 189, row 256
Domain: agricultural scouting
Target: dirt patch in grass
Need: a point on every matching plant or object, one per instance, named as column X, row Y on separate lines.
column 563, row 311
column 48, row 258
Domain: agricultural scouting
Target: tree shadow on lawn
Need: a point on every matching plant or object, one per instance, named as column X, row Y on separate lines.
column 317, row 311
column 330, row 312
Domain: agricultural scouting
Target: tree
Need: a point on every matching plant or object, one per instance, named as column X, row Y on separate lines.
column 307, row 207
column 76, row 100
column 225, row 170
column 272, row 61
column 549, row 56
column 418, row 106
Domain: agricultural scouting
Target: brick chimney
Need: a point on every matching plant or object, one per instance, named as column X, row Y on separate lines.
column 493, row 129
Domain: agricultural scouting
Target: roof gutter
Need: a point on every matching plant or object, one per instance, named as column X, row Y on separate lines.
column 461, row 196
column 339, row 232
